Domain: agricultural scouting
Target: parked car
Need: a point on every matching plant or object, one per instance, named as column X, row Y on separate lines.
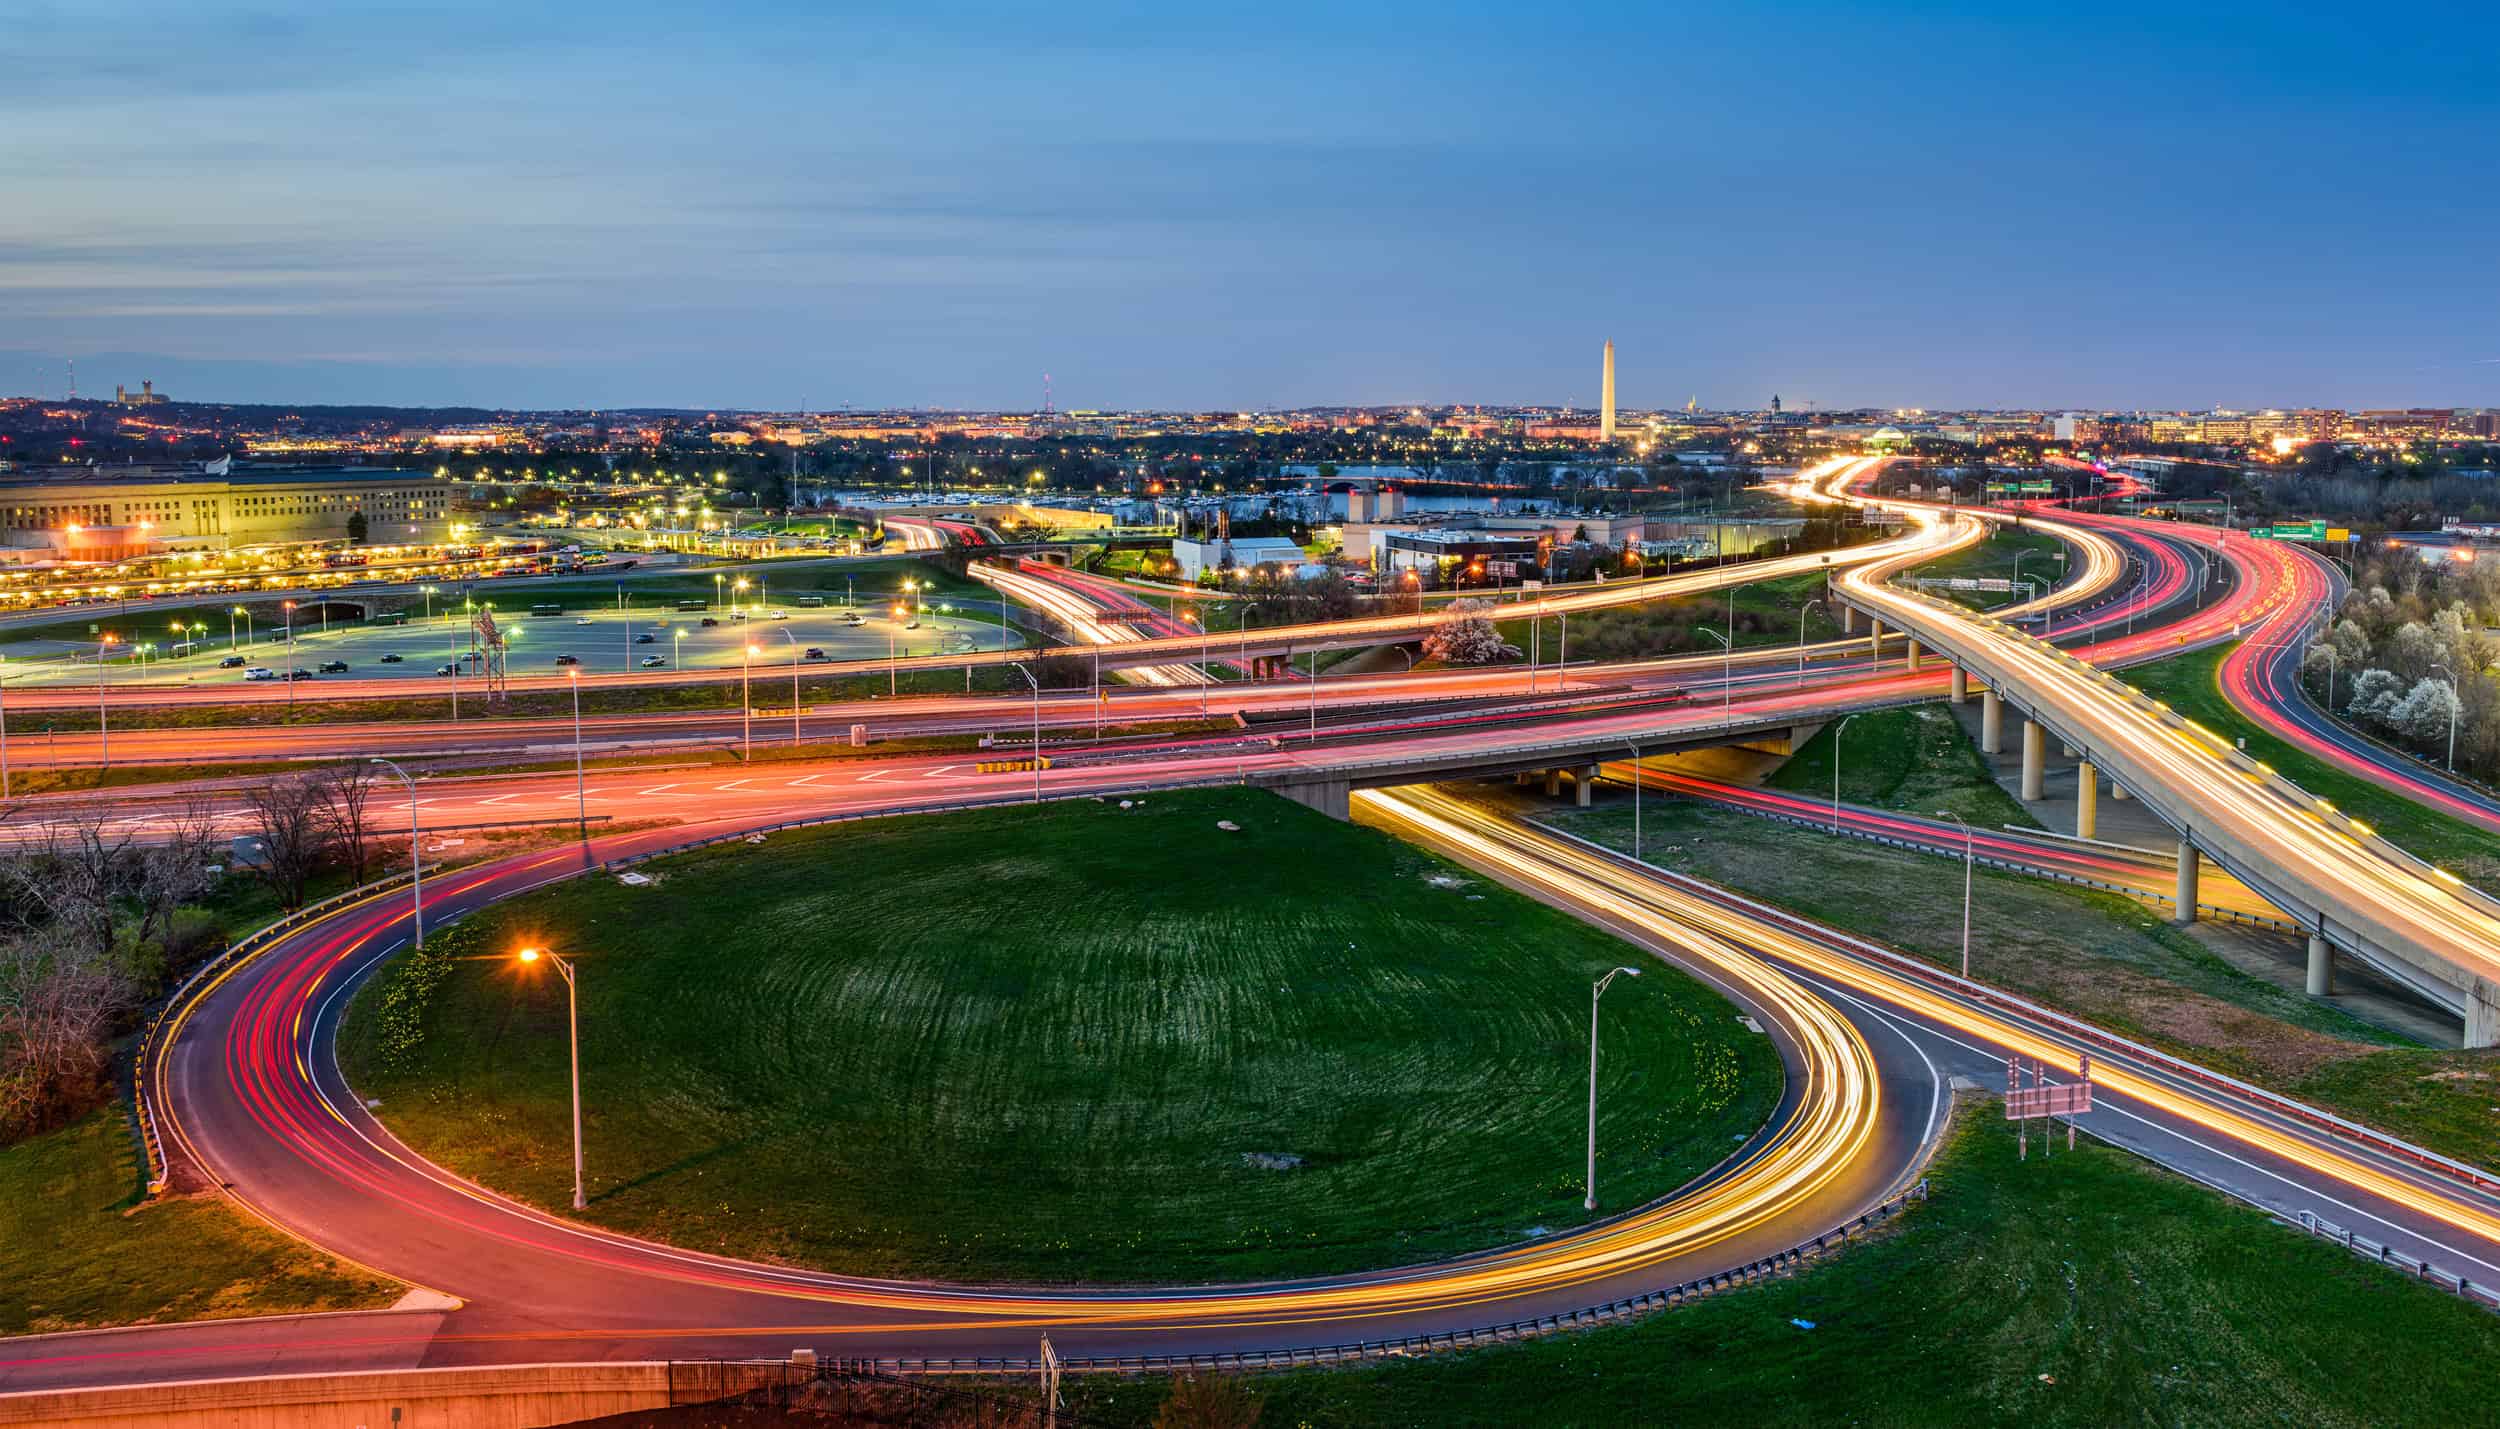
column 334, row 667
column 653, row 662
column 444, row 670
column 781, row 615
column 394, row 658
column 853, row 619
column 710, row 621
column 646, row 638
column 260, row 672
column 299, row 674
column 817, row 652
column 568, row 659
column 231, row 662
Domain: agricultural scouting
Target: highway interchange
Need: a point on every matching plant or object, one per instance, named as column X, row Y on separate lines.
column 250, row 1098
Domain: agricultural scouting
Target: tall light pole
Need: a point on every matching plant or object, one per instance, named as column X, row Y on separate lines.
column 1018, row 667
column 794, row 683
column 1969, row 859
column 893, row 661
column 416, row 866
column 103, row 720
column 1801, row 639
column 581, row 794
column 290, row 660
column 4, row 731
column 746, row 702
column 1727, row 664
column 2456, row 706
column 1837, row 731
column 573, row 1031
column 1636, row 803
column 1594, row 994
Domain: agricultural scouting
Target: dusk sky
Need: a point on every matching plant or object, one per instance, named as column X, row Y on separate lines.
column 1251, row 206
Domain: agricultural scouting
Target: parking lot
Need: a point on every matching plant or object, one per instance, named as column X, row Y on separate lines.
column 600, row 641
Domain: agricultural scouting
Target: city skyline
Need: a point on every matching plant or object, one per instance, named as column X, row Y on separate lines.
column 895, row 209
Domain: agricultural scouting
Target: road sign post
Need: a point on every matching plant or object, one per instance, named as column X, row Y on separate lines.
column 2040, row 1098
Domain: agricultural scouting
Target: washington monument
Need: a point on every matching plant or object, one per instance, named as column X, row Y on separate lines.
column 1606, row 397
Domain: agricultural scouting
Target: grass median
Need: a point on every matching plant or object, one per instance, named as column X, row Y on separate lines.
column 79, row 1249
column 1073, row 1043
column 2191, row 684
column 2081, row 1289
column 1916, row 760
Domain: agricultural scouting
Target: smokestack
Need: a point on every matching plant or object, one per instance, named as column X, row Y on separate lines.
column 1606, row 397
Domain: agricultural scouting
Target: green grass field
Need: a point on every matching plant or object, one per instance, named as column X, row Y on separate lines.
column 1917, row 760
column 2084, row 1289
column 2098, row 955
column 2008, row 552
column 1045, row 1045
column 77, row 1249
column 1767, row 613
column 2189, row 684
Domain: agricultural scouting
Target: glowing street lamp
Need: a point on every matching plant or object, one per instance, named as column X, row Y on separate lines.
column 573, row 1030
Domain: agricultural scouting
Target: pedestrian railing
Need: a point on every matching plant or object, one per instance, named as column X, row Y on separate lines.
column 2483, row 1293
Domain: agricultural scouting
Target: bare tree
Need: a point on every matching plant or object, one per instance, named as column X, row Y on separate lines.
column 290, row 817
column 58, row 1004
column 76, row 872
column 345, row 791
column 172, row 869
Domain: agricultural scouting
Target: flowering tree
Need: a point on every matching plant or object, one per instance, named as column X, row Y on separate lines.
column 1465, row 636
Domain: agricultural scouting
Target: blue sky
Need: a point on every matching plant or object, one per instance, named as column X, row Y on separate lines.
column 1248, row 206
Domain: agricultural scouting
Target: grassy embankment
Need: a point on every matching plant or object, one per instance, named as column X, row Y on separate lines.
column 78, row 1249
column 1767, row 613
column 2085, row 1290
column 2189, row 684
column 1916, row 760
column 2102, row 956
column 1060, row 1044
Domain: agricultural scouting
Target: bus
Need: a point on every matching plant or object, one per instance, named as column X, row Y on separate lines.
column 694, row 605
column 546, row 608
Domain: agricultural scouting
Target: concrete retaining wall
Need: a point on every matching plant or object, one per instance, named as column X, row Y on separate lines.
column 493, row 1398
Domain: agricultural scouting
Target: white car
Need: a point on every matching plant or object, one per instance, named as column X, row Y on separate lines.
column 260, row 672
column 653, row 662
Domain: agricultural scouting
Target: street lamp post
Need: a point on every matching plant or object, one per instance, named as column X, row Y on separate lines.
column 1801, row 639
column 1594, row 994
column 794, row 684
column 1018, row 666
column 2456, row 706
column 1837, row 731
column 573, row 1037
column 581, row 795
column 1636, row 803
column 746, row 702
column 1969, row 858
column 416, row 867
column 103, row 718
column 893, row 666
column 1727, row 663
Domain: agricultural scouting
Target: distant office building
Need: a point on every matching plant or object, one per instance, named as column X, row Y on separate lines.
column 111, row 513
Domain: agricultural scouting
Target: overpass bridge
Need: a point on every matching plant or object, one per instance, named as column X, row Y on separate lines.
column 2355, row 892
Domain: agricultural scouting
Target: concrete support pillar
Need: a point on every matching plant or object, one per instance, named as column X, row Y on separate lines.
column 1329, row 796
column 1581, row 786
column 2087, row 801
column 2117, row 792
column 1553, row 783
column 1991, row 723
column 2321, row 967
column 1916, row 652
column 1875, row 638
column 2184, row 895
column 2482, row 1013
column 1959, row 688
column 2035, row 759
column 1848, row 620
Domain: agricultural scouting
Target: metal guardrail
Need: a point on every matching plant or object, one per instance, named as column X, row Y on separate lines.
column 2380, row 1253
column 1781, row 1262
column 143, row 1090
